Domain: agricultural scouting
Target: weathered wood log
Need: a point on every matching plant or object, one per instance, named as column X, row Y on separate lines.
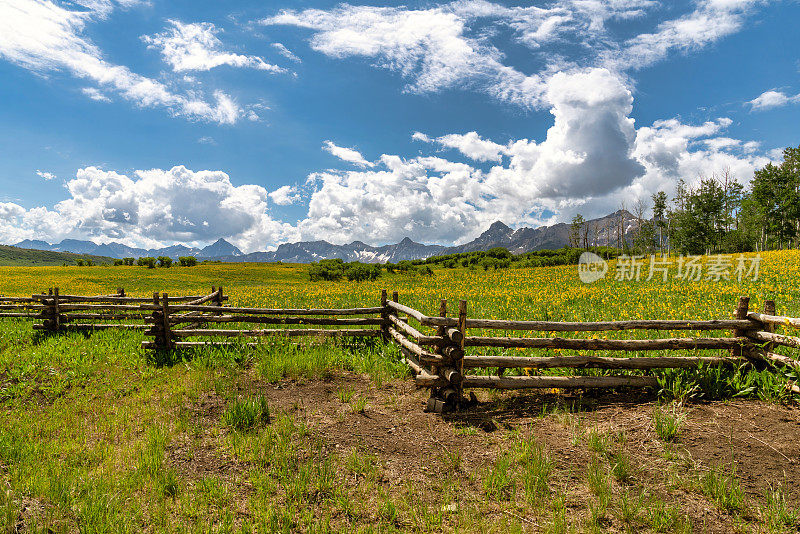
column 423, row 355
column 595, row 362
column 202, row 300
column 112, row 299
column 782, row 360
column 177, row 319
column 778, row 320
column 419, row 337
column 769, row 309
column 22, row 307
column 691, row 343
column 20, row 315
column 102, row 326
column 455, row 335
column 104, row 316
column 748, row 351
column 271, row 311
column 384, row 316
column 522, row 382
column 778, row 339
column 109, row 307
column 167, row 334
column 452, row 352
column 277, row 332
column 55, row 311
column 411, row 312
column 601, row 326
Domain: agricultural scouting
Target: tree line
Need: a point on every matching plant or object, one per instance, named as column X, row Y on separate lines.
column 716, row 215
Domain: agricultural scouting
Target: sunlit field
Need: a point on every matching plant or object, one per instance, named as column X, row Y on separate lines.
column 553, row 293
column 97, row 435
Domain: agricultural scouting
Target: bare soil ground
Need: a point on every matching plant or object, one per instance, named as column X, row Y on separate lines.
column 760, row 442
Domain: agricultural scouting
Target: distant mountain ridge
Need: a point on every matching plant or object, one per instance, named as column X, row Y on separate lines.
column 602, row 231
column 120, row 250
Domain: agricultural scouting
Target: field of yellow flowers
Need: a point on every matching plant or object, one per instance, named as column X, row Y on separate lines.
column 547, row 293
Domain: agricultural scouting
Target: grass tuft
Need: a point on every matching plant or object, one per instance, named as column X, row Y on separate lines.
column 666, row 424
column 247, row 414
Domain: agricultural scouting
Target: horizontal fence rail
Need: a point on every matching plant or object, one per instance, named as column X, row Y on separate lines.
column 438, row 349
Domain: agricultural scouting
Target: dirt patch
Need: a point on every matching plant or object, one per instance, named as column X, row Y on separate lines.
column 761, row 441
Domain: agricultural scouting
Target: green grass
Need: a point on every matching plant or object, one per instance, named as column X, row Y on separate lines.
column 247, row 414
column 723, row 488
column 96, row 434
column 18, row 257
column 667, row 424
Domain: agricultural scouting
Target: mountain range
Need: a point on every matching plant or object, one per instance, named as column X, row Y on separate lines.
column 601, row 231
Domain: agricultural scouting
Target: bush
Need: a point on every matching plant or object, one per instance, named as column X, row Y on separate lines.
column 80, row 263
column 187, row 261
column 117, row 263
column 164, row 261
column 148, row 262
column 128, row 261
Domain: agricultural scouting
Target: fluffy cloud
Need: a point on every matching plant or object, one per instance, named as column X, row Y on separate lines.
column 285, row 52
column 429, row 46
column 426, row 198
column 451, row 45
column 592, row 161
column 349, row 155
column 151, row 208
column 709, row 22
column 285, row 195
column 772, row 99
column 188, row 47
column 43, row 36
column 469, row 144
column 45, row 175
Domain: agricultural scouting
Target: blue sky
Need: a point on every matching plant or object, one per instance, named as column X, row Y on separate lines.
column 153, row 122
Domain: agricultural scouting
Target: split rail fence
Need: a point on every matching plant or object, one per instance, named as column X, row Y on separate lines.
column 57, row 312
column 447, row 354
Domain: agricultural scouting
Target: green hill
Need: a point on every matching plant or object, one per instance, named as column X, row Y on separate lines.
column 26, row 256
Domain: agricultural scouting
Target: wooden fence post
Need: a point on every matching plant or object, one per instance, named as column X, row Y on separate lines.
column 459, row 363
column 56, row 311
column 384, row 317
column 167, row 329
column 158, row 323
column 120, row 291
column 769, row 309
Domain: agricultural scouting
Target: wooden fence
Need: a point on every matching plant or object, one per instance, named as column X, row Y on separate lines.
column 443, row 360
column 60, row 313
column 174, row 323
column 445, row 353
column 19, row 308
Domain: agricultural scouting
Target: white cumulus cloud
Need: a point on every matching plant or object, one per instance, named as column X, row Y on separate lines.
column 773, row 99
column 349, row 155
column 151, row 208
column 42, row 36
column 195, row 46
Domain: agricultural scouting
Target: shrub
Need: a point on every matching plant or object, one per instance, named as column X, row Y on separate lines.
column 164, row 261
column 187, row 261
column 148, row 262
column 336, row 269
column 117, row 263
column 80, row 263
column 128, row 261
